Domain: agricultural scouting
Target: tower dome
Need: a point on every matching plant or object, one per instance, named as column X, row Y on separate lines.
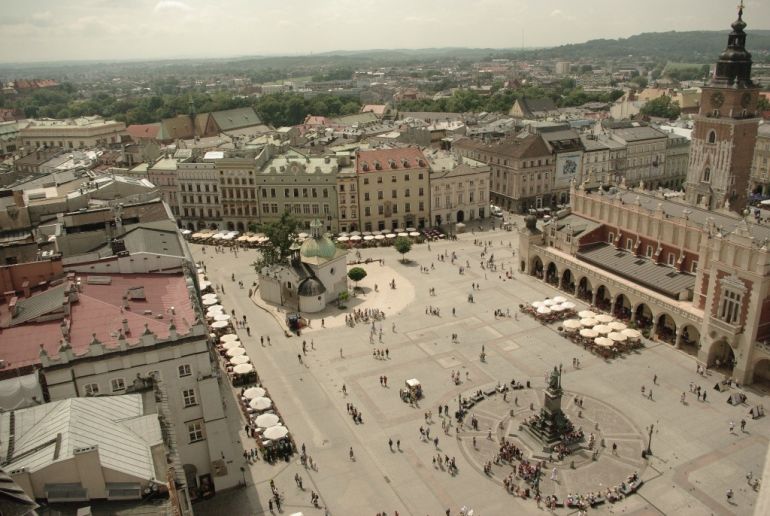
column 317, row 245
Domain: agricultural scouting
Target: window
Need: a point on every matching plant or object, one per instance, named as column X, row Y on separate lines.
column 629, row 244
column 195, row 431
column 118, row 384
column 91, row 389
column 379, row 180
column 406, row 193
column 731, row 304
column 367, row 211
column 694, row 267
column 649, row 251
column 379, row 194
column 185, row 370
column 671, row 258
column 366, row 180
column 706, row 174
column 188, row 395
column 366, row 196
column 380, row 209
column 611, row 238
column 407, row 207
column 712, row 136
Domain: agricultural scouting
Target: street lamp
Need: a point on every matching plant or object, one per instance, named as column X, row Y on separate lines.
column 648, row 451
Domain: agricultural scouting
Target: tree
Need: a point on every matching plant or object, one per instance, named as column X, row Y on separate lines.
column 763, row 104
column 280, row 236
column 403, row 245
column 356, row 274
column 661, row 107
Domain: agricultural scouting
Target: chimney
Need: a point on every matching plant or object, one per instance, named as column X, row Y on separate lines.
column 126, row 329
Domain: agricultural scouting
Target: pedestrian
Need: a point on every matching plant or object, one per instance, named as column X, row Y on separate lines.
column 743, row 425
column 390, row 444
column 270, row 504
column 732, row 427
column 553, row 474
column 649, row 394
column 398, row 444
column 344, row 390
column 655, row 379
column 729, row 495
column 299, row 357
column 614, row 448
column 323, row 324
column 351, row 454
column 341, row 353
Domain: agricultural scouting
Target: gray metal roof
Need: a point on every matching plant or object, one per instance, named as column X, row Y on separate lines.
column 577, row 224
column 660, row 278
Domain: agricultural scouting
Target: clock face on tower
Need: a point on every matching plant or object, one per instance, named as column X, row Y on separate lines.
column 746, row 100
column 717, row 98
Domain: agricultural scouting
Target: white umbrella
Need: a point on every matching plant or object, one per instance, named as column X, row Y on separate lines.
column 544, row 310
column 215, row 309
column 209, row 296
column 218, row 325
column 240, row 359
column 603, row 342
column 343, row 234
column 230, row 344
column 398, row 230
column 355, row 238
column 228, row 337
column 588, row 333
column 602, row 329
column 390, row 235
column 368, row 237
column 588, row 322
column 243, row 369
column 604, row 318
column 568, row 305
column 355, row 233
column 260, row 403
column 586, row 314
column 209, row 302
column 537, row 304
column 303, row 235
column 558, row 308
column 616, row 336
column 205, row 284
column 379, row 237
column 254, row 392
column 548, row 302
column 617, row 326
column 414, row 234
column 276, row 432
column 631, row 333
column 403, row 234
column 267, row 420
column 559, row 299
column 221, row 317
column 411, row 229
column 571, row 324
column 235, row 352
column 343, row 239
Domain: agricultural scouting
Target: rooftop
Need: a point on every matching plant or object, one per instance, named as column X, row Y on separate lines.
column 390, row 159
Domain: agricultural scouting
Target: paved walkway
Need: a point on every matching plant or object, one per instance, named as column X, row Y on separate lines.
column 695, row 459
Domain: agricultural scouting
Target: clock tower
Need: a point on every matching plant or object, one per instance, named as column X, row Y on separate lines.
column 725, row 130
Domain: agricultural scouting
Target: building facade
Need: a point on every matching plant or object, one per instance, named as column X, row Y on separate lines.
column 198, row 196
column 77, row 133
column 393, row 189
column 760, row 164
column 459, row 189
column 725, row 130
column 645, row 154
column 238, row 193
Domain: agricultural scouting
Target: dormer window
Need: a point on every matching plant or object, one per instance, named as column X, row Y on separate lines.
column 377, row 165
column 392, row 163
column 365, row 166
column 405, row 163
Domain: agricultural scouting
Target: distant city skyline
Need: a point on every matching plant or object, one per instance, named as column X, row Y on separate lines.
column 51, row 30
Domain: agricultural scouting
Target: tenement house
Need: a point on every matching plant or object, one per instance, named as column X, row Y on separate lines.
column 760, row 165
column 459, row 188
column 604, row 159
column 304, row 186
column 567, row 150
column 393, row 189
column 521, row 168
column 645, row 154
column 237, row 191
column 347, row 193
column 78, row 133
column 198, row 196
column 689, row 275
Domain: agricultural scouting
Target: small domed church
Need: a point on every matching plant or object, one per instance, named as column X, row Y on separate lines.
column 315, row 275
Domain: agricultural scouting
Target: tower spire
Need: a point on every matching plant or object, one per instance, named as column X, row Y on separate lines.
column 734, row 64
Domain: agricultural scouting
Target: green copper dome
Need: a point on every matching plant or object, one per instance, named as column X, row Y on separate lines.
column 321, row 247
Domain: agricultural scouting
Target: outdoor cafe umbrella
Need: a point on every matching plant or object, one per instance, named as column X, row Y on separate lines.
column 228, row 337
column 254, row 392
column 604, row 318
column 204, row 285
column 414, row 234
column 568, row 305
column 537, row 304
column 232, row 344
column 588, row 322
column 210, row 302
column 243, row 369
column 603, row 342
column 303, row 235
column 240, row 359
column 548, row 302
column 235, row 352
column 343, row 239
column 209, row 295
column 218, row 325
column 276, row 432
column 616, row 336
column 379, row 237
column 355, row 233
column 631, row 333
column 544, row 310
column 586, row 314
column 261, row 403
column 343, row 234
column 369, row 237
column 411, row 229
column 390, row 235
column 602, row 328
column 588, row 333
column 571, row 324
column 222, row 317
column 403, row 234
column 558, row 308
column 266, row 420
column 559, row 299
column 355, row 238
column 617, row 326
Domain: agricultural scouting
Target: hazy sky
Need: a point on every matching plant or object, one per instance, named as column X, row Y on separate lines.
column 35, row 30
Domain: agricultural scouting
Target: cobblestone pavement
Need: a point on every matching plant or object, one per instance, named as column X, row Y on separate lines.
column 695, row 456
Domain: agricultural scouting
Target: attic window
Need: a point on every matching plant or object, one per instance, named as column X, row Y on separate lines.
column 421, row 162
column 377, row 165
column 365, row 166
column 405, row 163
column 392, row 163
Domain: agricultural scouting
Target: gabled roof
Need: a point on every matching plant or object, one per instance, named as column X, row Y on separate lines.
column 529, row 146
column 530, row 106
column 236, row 118
column 143, row 131
column 52, row 432
column 402, row 158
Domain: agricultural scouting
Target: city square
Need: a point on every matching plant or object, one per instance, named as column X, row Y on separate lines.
column 437, row 336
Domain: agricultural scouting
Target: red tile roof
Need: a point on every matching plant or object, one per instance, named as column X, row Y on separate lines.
column 143, row 131
column 390, row 159
column 98, row 310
